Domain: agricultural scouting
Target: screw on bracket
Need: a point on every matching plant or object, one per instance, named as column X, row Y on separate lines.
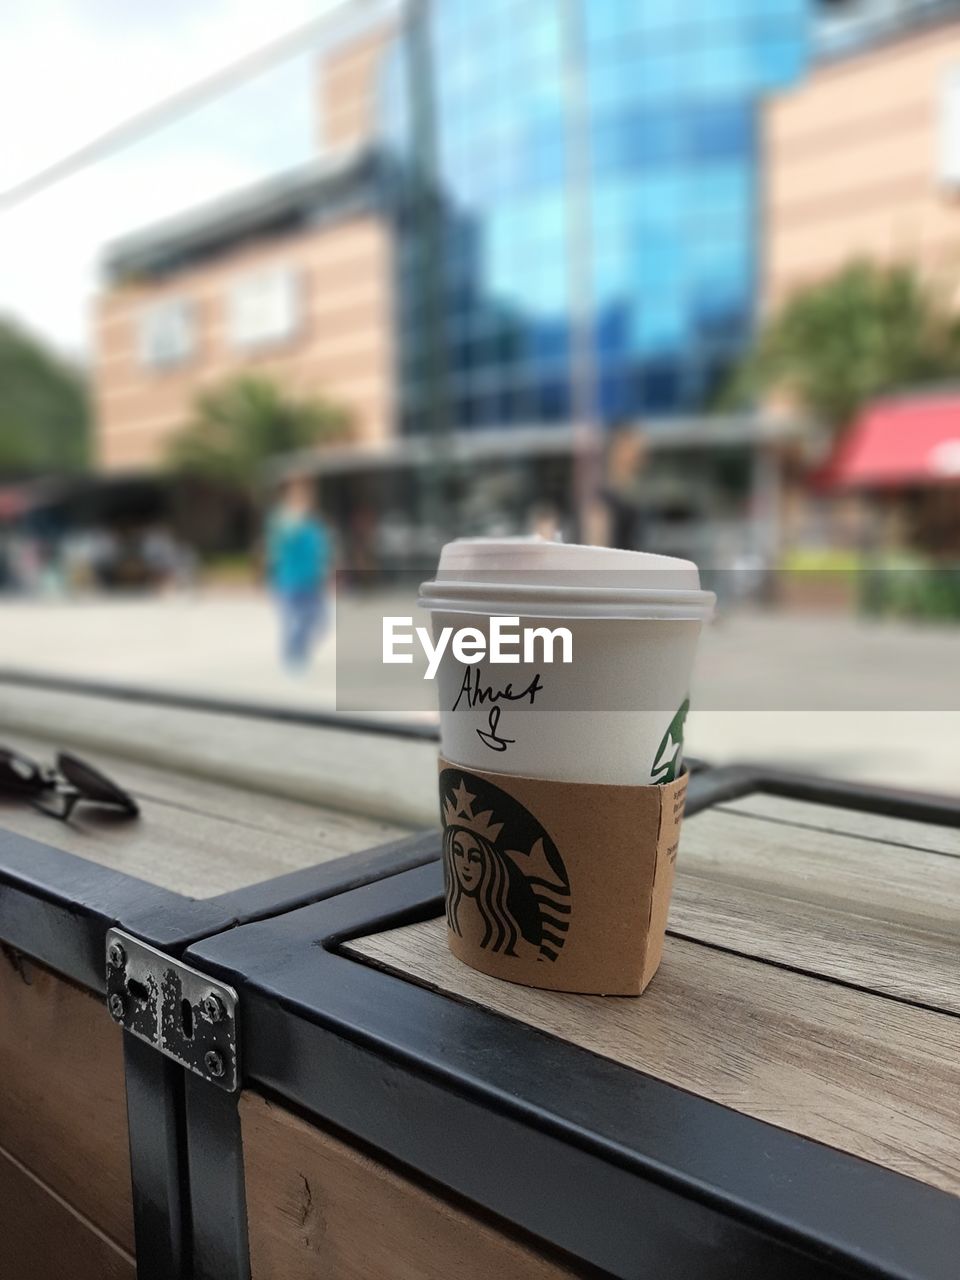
column 187, row 1015
column 213, row 1062
column 213, row 1008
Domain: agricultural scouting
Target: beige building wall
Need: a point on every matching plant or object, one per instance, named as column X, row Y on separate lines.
column 852, row 167
column 341, row 348
column 349, row 81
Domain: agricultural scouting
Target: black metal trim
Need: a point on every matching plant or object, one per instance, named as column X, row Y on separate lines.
column 82, row 898
column 632, row 1170
column 217, row 1196
column 918, row 806
column 732, row 782
column 57, row 908
column 620, row 1170
column 709, row 787
column 158, row 1170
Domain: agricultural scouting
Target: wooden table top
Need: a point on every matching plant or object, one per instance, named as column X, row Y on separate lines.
column 811, row 978
column 195, row 836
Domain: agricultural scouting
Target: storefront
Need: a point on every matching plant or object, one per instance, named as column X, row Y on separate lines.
column 903, row 456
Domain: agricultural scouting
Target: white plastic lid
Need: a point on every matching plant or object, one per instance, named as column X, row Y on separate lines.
column 535, row 578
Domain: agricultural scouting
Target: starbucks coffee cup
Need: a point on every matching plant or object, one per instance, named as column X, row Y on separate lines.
column 613, row 714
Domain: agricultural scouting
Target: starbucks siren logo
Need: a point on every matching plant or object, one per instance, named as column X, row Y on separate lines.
column 669, row 757
column 505, row 883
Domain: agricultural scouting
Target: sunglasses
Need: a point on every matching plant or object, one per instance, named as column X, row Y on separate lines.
column 59, row 790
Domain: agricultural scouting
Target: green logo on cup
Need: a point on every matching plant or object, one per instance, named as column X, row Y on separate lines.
column 669, row 757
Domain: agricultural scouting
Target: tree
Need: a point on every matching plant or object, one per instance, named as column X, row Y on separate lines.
column 866, row 331
column 243, row 422
column 44, row 408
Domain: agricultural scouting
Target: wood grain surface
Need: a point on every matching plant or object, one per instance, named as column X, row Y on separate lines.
column 869, row 912
column 62, row 1100
column 903, row 887
column 195, row 836
column 43, row 1238
column 909, row 963
column 317, row 1207
column 858, row 1071
column 393, row 779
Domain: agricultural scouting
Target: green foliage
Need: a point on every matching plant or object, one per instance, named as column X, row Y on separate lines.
column 243, row 422
column 867, row 331
column 928, row 595
column 44, row 410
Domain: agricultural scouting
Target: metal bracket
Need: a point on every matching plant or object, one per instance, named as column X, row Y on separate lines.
column 178, row 1010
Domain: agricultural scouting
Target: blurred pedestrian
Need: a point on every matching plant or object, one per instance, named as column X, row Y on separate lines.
column 298, row 565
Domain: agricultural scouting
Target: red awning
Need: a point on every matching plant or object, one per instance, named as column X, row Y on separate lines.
column 13, row 502
column 896, row 443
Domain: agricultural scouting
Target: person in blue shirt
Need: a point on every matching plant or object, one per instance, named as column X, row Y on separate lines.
column 299, row 558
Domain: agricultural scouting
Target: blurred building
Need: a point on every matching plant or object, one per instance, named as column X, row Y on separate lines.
column 862, row 160
column 599, row 163
column 291, row 279
column 573, row 233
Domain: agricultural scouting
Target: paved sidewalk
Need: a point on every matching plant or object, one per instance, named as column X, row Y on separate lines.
column 836, row 695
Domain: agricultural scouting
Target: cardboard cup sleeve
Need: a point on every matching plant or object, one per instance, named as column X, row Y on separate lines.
column 560, row 885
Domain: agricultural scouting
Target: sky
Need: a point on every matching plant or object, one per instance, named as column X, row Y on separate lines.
column 72, row 69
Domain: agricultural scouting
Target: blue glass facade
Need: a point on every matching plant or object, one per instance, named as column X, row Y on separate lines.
column 598, row 167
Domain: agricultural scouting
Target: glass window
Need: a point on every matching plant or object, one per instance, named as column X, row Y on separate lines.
column 720, row 131
column 612, row 330
column 661, row 259
column 546, row 163
column 655, row 137
column 721, row 193
column 720, row 67
column 662, row 386
column 950, row 127
column 553, row 401
column 662, row 327
column 548, row 343
column 664, row 195
column 613, row 80
column 264, row 307
column 547, row 221
column 673, row 92
column 167, row 333
column 612, row 275
column 545, row 43
column 664, row 75
column 525, row 403
column 606, row 152
column 780, row 61
column 613, row 395
column 729, row 256
column 654, row 16
column 721, row 288
column 605, row 22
